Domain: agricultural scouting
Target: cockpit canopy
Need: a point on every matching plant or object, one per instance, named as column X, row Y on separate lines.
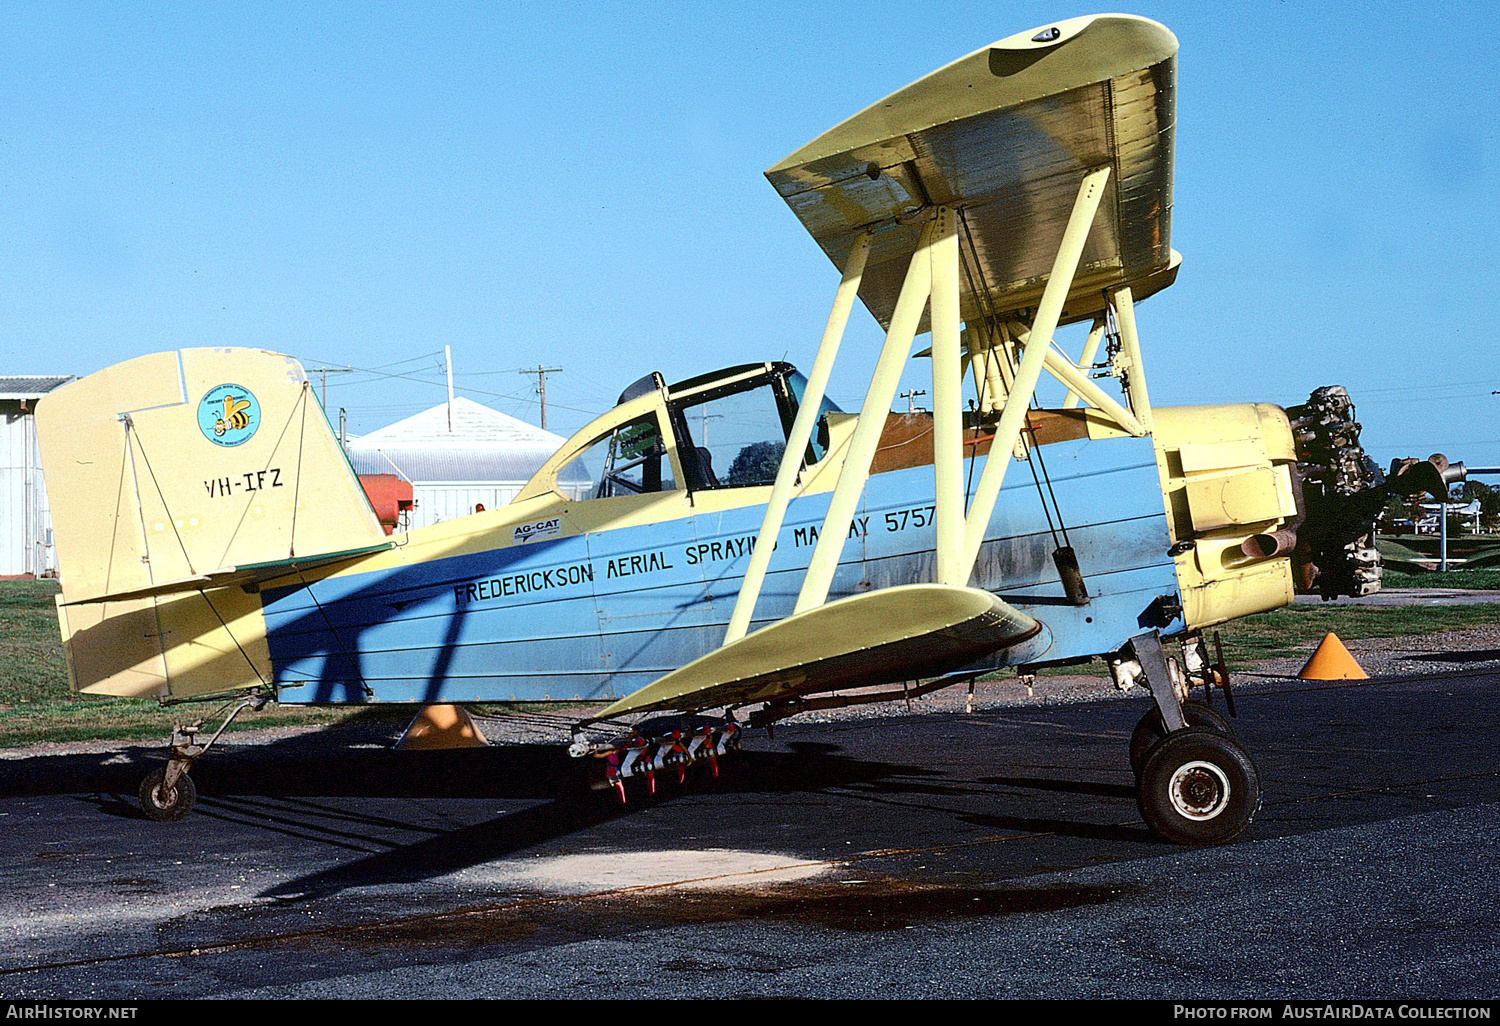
column 727, row 429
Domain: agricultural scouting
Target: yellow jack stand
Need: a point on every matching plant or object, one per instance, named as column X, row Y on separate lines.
column 441, row 726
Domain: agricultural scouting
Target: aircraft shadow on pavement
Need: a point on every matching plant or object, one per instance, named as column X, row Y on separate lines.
column 573, row 808
column 1360, row 754
column 293, row 786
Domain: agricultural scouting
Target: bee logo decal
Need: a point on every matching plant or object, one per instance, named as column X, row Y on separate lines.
column 228, row 415
column 234, row 416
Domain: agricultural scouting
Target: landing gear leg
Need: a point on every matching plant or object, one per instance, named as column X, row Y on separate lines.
column 168, row 794
column 1196, row 665
column 1196, row 785
column 1153, row 660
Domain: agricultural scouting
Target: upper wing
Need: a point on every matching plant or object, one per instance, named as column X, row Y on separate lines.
column 1006, row 135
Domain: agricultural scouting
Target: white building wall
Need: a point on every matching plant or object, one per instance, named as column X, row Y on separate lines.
column 25, row 523
column 450, row 500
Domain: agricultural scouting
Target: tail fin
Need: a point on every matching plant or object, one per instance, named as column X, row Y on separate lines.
column 173, row 468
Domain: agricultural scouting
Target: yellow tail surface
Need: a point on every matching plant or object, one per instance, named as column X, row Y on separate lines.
column 164, row 474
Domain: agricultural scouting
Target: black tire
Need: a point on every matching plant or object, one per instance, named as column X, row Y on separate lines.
column 1152, row 729
column 169, row 807
column 1198, row 787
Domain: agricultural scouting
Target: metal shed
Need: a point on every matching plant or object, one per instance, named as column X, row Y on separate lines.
column 25, row 522
column 476, row 456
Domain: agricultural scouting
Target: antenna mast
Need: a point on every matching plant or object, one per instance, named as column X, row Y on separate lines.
column 448, row 362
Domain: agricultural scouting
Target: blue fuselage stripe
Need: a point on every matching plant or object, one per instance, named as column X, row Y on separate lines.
column 598, row 615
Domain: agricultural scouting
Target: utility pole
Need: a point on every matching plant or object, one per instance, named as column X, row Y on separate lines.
column 324, row 372
column 705, row 417
column 910, row 395
column 541, row 385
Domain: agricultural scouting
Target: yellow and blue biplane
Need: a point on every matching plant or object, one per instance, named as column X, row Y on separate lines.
column 735, row 542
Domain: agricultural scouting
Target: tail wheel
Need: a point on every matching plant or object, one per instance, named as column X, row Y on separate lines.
column 1198, row 787
column 167, row 805
column 1151, row 729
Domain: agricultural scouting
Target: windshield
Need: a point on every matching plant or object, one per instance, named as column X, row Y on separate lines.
column 734, row 436
column 797, row 383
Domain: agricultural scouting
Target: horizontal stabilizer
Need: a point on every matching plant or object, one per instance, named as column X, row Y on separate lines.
column 894, row 634
column 247, row 577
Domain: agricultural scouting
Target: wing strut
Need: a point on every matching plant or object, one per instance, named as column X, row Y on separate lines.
column 1087, row 357
column 862, row 445
column 796, row 443
column 1135, row 379
column 798, row 648
column 933, row 274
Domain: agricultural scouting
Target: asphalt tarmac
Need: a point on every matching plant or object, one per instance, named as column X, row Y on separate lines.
column 996, row 854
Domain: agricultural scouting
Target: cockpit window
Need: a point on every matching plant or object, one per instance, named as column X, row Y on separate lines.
column 734, row 437
column 729, row 435
column 733, row 440
column 630, row 460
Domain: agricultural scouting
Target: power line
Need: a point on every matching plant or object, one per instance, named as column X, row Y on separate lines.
column 376, row 373
column 324, row 372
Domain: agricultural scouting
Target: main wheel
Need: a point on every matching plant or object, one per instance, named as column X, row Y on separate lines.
column 1151, row 729
column 1198, row 787
column 166, row 806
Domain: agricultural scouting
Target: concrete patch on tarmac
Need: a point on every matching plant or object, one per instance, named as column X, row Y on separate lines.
column 709, row 869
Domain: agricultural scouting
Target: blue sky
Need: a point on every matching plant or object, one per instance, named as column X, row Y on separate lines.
column 580, row 184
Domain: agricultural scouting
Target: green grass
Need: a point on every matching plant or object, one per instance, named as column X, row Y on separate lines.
column 31, row 655
column 1482, row 580
column 1296, row 630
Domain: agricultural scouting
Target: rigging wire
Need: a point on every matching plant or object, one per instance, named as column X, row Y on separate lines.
column 993, row 318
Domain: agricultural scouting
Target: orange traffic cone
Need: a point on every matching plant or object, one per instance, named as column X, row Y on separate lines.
column 1332, row 661
column 442, row 726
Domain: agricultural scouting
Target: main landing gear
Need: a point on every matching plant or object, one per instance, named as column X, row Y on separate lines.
column 1195, row 783
column 168, row 793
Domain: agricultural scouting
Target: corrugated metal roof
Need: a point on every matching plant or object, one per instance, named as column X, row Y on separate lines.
column 484, row 445
column 30, row 386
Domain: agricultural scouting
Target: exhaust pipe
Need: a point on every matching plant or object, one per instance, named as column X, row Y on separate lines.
column 1434, row 475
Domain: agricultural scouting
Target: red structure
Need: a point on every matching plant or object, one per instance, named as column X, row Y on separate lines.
column 389, row 496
